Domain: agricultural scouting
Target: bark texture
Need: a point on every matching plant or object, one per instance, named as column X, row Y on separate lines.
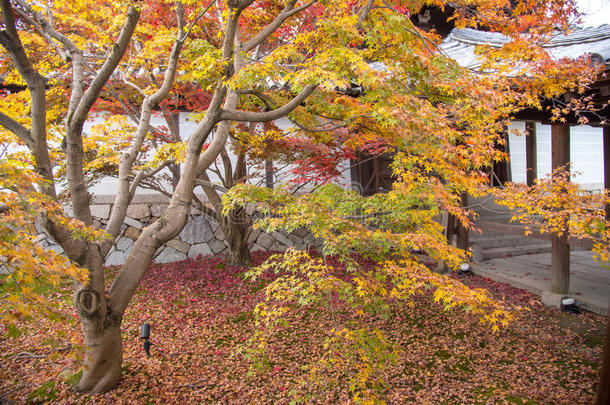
column 104, row 357
column 236, row 229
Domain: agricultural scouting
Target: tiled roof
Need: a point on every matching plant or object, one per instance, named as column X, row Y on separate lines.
column 460, row 44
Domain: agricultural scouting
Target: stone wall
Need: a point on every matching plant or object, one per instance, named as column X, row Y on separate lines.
column 201, row 236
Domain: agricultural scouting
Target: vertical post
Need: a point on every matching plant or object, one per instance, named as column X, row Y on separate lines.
column 560, row 256
column 462, row 233
column 268, row 173
column 509, row 170
column 607, row 166
column 377, row 174
column 449, row 224
column 530, row 152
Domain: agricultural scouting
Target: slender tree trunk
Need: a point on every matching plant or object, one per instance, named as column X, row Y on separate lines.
column 236, row 229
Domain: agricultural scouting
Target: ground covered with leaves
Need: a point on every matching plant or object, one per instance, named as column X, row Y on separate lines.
column 201, row 316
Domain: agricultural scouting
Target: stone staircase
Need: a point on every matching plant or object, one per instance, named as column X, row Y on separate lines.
column 492, row 245
column 493, row 242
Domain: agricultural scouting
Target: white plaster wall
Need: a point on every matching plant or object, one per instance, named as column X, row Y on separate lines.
column 187, row 124
column 586, row 154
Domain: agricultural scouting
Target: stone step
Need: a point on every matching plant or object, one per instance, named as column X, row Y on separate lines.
column 494, row 253
column 486, row 242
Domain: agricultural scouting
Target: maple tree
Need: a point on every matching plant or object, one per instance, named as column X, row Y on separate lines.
column 260, row 61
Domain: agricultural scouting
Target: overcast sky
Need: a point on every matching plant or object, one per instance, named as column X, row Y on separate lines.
column 595, row 12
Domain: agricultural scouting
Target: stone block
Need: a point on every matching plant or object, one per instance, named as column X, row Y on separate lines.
column 213, row 224
column 178, row 245
column 265, row 240
column 170, row 255
column 477, row 253
column 101, row 211
column 115, row 258
column 280, row 247
column 57, row 249
column 295, row 239
column 132, row 233
column 253, row 236
column 138, row 211
column 200, row 249
column 150, row 199
column 5, row 270
column 196, row 230
column 219, row 234
column 551, row 299
column 124, row 243
column 133, row 223
column 281, row 238
column 217, row 246
column 38, row 226
column 300, row 246
column 256, row 248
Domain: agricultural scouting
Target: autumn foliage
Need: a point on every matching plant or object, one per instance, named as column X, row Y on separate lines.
column 350, row 76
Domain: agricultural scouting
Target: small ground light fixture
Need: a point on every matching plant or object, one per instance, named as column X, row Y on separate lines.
column 570, row 305
column 145, row 336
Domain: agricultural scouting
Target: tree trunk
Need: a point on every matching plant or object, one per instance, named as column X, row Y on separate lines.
column 101, row 328
column 236, row 229
column 104, row 357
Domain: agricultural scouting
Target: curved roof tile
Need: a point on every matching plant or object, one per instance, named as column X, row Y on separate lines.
column 460, row 44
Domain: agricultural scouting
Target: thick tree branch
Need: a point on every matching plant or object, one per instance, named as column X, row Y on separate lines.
column 286, row 13
column 125, row 189
column 9, row 38
column 76, row 118
column 108, row 67
column 209, row 184
column 222, row 132
column 269, row 104
column 175, row 216
column 44, row 26
column 364, row 12
column 228, row 168
column 234, row 115
column 211, row 191
column 73, row 53
column 22, row 132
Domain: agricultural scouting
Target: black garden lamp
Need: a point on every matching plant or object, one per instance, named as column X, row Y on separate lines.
column 145, row 335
